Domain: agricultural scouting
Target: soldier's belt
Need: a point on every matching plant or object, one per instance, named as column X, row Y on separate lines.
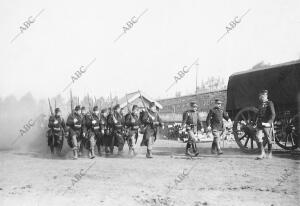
column 134, row 127
column 191, row 126
column 56, row 129
column 97, row 127
column 78, row 125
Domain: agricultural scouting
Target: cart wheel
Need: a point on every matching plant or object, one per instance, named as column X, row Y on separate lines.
column 287, row 132
column 244, row 131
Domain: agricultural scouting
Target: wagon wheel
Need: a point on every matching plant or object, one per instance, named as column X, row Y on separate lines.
column 287, row 132
column 244, row 129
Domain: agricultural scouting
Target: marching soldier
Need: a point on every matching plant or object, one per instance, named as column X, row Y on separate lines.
column 152, row 122
column 75, row 122
column 57, row 129
column 105, row 132
column 264, row 128
column 132, row 122
column 83, row 135
column 93, row 127
column 192, row 124
column 115, row 121
column 214, row 122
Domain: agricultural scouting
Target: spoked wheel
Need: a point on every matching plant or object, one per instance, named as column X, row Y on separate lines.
column 287, row 131
column 244, row 129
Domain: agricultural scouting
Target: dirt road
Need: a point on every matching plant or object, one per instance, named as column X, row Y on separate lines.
column 235, row 178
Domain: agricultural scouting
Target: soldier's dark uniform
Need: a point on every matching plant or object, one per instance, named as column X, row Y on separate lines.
column 105, row 131
column 215, row 121
column 75, row 122
column 83, row 135
column 151, row 122
column 116, row 122
column 191, row 121
column 57, row 129
column 266, row 114
column 132, row 123
column 93, row 131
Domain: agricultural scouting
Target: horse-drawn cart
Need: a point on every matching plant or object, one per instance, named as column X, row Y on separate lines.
column 283, row 83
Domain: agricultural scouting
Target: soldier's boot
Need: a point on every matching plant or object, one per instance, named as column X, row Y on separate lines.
column 80, row 149
column 195, row 150
column 149, row 154
column 134, row 152
column 75, row 153
column 120, row 150
column 111, row 149
column 269, row 151
column 106, row 149
column 213, row 148
column 219, row 151
column 99, row 150
column 187, row 149
column 92, row 153
column 130, row 150
column 262, row 151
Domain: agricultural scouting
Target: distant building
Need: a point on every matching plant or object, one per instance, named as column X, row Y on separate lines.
column 174, row 107
column 135, row 99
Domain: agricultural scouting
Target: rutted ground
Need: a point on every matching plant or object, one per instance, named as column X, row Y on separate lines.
column 33, row 178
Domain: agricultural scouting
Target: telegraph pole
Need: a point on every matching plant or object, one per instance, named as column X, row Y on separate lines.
column 197, row 67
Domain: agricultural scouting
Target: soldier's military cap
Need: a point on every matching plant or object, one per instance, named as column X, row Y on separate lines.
column 95, row 108
column 57, row 110
column 152, row 104
column 83, row 108
column 193, row 104
column 218, row 101
column 134, row 107
column 77, row 108
column 104, row 110
column 117, row 106
column 264, row 91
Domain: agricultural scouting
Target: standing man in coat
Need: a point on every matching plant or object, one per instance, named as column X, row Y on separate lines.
column 192, row 124
column 214, row 122
column 265, row 119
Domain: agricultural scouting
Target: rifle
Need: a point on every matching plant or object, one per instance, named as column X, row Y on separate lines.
column 54, row 103
column 96, row 102
column 90, row 105
column 130, row 112
column 111, row 109
column 71, row 102
column 51, row 110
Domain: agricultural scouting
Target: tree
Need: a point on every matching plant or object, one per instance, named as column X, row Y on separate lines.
column 178, row 94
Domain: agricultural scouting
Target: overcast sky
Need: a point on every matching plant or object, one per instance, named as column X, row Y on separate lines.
column 170, row 34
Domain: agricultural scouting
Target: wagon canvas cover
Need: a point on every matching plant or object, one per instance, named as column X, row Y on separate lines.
column 282, row 81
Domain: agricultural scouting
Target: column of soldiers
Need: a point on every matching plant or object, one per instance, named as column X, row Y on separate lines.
column 112, row 128
column 106, row 130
